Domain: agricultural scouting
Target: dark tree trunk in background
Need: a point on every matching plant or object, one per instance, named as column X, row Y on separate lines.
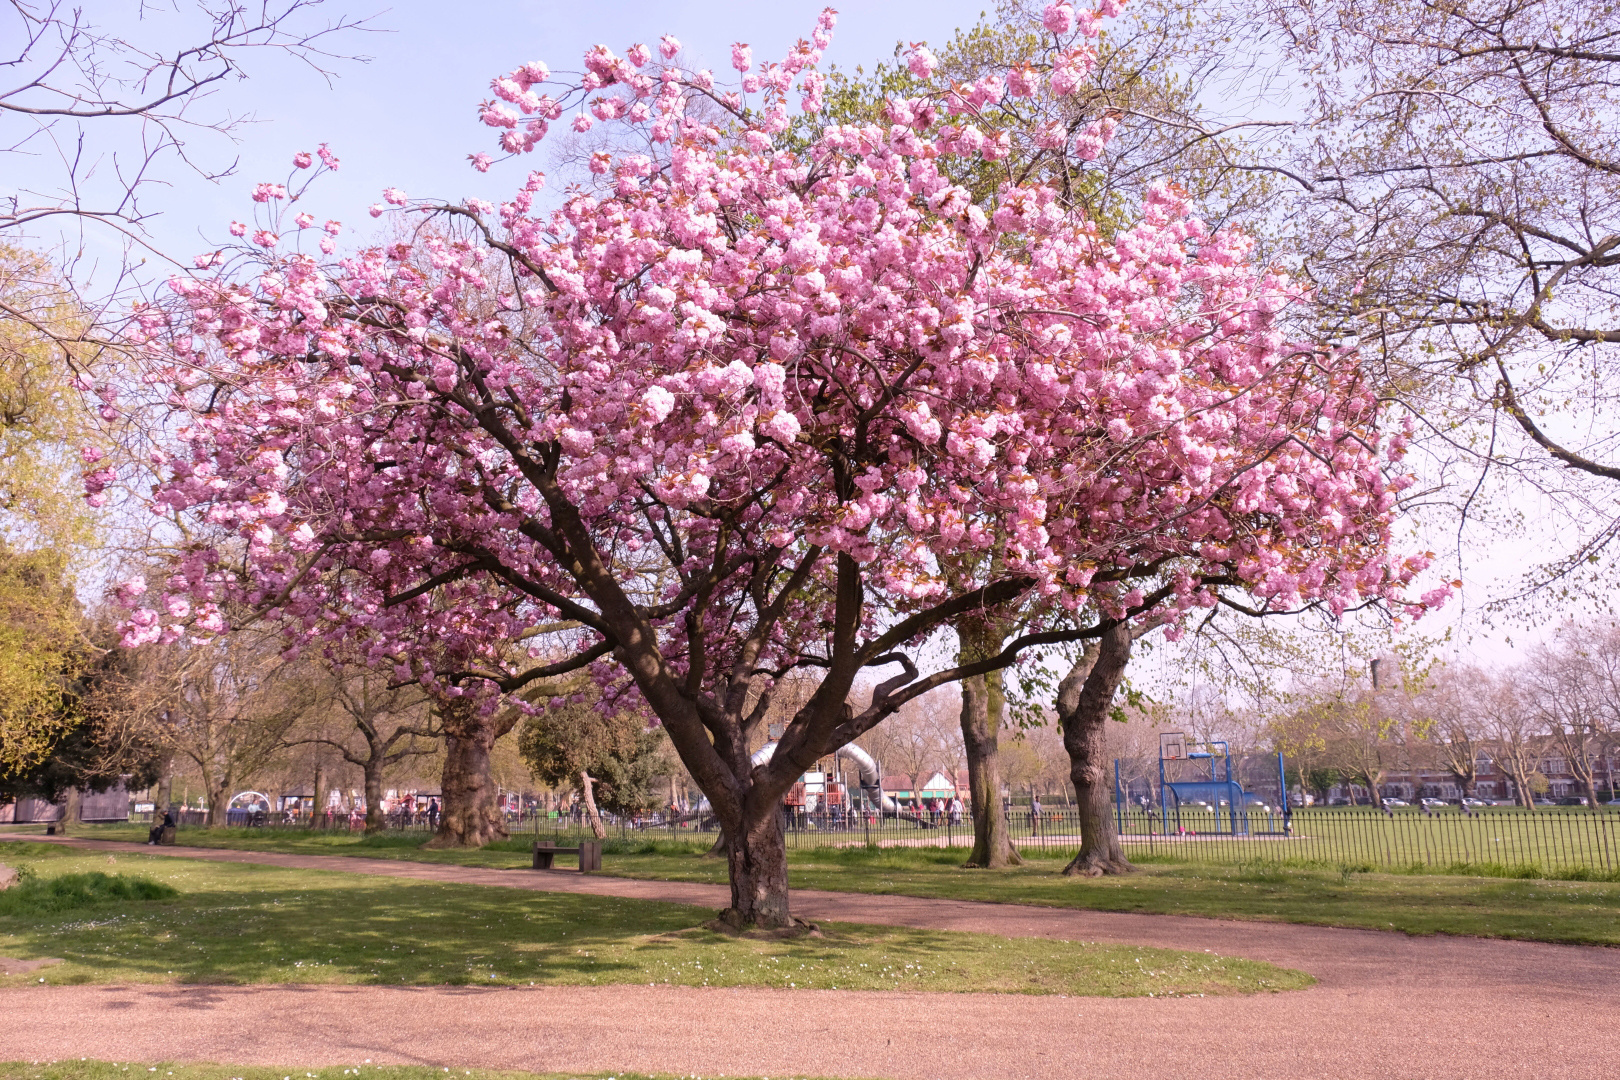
column 317, row 804
column 1084, row 698
column 219, row 797
column 71, row 803
column 469, row 816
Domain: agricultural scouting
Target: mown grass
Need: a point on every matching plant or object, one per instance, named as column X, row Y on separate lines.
column 240, row 923
column 1482, row 899
column 394, row 845
column 110, row 1070
column 1301, row 892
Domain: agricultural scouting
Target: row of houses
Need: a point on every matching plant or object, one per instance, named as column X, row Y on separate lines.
column 1491, row 783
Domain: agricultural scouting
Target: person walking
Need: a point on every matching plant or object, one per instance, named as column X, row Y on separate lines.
column 1034, row 814
column 433, row 813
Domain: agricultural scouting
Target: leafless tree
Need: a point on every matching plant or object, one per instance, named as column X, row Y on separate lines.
column 99, row 114
column 1455, row 730
column 1573, row 685
column 373, row 725
column 1462, row 223
column 1515, row 736
column 922, row 737
column 225, row 707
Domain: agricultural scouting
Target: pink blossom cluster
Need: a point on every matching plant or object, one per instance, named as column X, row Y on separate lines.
column 699, row 401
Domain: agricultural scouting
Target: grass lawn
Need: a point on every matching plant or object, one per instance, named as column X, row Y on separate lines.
column 1528, row 909
column 396, row 845
column 1586, row 912
column 108, row 1070
column 235, row 923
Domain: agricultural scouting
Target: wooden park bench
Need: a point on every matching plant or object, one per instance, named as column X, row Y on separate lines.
column 166, row 837
column 589, row 852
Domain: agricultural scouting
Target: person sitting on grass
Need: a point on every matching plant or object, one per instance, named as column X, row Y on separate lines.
column 156, row 832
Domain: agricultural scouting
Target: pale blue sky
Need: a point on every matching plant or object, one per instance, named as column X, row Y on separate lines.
column 408, row 118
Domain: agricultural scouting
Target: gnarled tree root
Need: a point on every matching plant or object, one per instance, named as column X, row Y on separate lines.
column 731, row 924
column 1009, row 858
column 1097, row 864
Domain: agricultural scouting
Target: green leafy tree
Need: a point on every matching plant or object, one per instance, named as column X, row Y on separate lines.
column 614, row 761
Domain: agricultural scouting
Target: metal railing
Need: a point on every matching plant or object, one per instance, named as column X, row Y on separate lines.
column 1553, row 841
column 1560, row 841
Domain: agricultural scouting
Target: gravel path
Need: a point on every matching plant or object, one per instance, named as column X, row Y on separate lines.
column 1387, row 1005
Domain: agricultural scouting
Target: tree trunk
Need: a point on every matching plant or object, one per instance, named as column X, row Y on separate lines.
column 469, row 817
column 165, row 796
column 218, row 800
column 318, row 802
column 1523, row 792
column 757, row 857
column 587, row 794
column 72, row 800
column 1084, row 698
column 375, row 821
column 983, row 703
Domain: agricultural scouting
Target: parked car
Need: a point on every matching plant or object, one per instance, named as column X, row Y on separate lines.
column 1396, row 802
column 1476, row 802
column 1433, row 802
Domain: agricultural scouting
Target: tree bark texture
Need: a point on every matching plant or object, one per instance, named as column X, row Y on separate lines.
column 375, row 821
column 317, row 804
column 468, row 815
column 757, row 858
column 587, row 794
column 1084, row 698
column 982, row 705
column 72, row 801
column 219, row 798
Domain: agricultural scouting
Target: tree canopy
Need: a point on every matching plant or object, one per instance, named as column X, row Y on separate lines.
column 726, row 414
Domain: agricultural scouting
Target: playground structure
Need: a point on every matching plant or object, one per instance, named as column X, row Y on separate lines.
column 815, row 788
column 247, row 808
column 1200, row 774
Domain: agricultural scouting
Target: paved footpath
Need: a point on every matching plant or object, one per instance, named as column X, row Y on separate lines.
column 1387, row 1005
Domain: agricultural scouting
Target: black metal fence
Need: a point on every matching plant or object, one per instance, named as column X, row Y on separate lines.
column 1558, row 841
column 1565, row 841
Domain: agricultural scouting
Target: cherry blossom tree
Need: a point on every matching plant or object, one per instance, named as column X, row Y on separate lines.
column 723, row 417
